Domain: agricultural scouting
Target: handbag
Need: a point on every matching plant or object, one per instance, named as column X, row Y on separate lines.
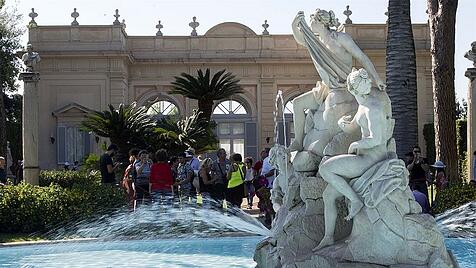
column 245, row 189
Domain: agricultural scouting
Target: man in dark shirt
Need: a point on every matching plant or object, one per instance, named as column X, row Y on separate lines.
column 3, row 171
column 418, row 169
column 106, row 165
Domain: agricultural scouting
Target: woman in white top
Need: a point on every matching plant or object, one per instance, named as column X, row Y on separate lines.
column 249, row 176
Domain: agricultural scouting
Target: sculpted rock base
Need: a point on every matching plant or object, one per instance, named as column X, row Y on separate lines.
column 390, row 230
column 299, row 225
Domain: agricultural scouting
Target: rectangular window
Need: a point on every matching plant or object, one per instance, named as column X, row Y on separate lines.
column 239, row 146
column 238, row 128
column 72, row 144
column 224, row 129
column 225, row 144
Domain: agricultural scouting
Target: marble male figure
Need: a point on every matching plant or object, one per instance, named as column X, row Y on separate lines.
column 30, row 58
column 331, row 52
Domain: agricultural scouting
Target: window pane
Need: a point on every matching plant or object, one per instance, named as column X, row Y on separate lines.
column 234, row 105
column 238, row 128
column 70, row 144
column 162, row 108
column 229, row 107
column 218, row 110
column 290, row 126
column 224, row 129
column 240, row 110
column 225, row 144
column 289, row 107
column 239, row 146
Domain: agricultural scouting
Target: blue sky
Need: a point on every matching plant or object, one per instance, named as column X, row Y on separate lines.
column 142, row 15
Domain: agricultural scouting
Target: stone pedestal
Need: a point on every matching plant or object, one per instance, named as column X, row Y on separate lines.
column 471, row 125
column 31, row 170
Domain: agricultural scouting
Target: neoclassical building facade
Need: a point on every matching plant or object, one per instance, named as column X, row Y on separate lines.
column 86, row 68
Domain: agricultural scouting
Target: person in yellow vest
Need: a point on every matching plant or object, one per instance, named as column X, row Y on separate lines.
column 236, row 177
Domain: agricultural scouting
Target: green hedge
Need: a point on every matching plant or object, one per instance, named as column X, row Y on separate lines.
column 453, row 197
column 67, row 179
column 69, row 196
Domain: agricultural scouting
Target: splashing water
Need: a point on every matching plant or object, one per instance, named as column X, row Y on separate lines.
column 156, row 221
column 279, row 97
column 459, row 222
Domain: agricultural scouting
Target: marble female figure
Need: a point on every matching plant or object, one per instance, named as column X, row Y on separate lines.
column 374, row 118
column 331, row 52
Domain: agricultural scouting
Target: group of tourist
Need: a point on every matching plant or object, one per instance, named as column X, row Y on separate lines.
column 16, row 170
column 421, row 177
column 160, row 177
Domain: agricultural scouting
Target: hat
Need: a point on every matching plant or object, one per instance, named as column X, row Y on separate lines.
column 438, row 164
column 66, row 163
column 191, row 150
column 188, row 154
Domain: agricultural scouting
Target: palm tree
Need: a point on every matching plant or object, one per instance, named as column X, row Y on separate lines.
column 126, row 127
column 221, row 86
column 178, row 135
column 442, row 17
column 401, row 75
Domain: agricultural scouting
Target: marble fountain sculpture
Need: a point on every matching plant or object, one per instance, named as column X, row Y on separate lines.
column 344, row 200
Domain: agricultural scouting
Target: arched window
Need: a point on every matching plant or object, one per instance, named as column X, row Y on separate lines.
column 229, row 107
column 162, row 108
column 236, row 130
column 289, row 107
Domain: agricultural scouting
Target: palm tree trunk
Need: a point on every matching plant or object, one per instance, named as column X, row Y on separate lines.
column 206, row 107
column 401, row 75
column 442, row 17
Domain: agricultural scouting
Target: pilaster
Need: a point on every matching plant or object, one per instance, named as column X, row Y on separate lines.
column 30, row 117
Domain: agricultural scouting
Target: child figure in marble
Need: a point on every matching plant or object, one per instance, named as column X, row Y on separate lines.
column 374, row 118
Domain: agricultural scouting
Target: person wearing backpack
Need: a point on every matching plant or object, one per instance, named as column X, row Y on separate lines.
column 236, row 177
column 129, row 176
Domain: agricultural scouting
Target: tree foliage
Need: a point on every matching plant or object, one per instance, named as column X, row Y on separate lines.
column 126, row 126
column 178, row 135
column 13, row 108
column 206, row 89
column 10, row 66
column 130, row 127
column 10, row 34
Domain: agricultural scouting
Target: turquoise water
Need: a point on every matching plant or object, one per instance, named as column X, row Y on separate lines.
column 170, row 253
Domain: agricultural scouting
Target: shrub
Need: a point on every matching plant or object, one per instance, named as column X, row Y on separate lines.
column 64, row 196
column 67, row 178
column 454, row 196
column 91, row 162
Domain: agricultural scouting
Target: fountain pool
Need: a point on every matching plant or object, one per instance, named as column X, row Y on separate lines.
column 170, row 253
column 188, row 237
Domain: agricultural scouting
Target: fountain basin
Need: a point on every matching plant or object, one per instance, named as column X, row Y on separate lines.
column 173, row 253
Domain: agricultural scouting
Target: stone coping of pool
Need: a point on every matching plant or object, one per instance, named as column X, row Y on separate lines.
column 46, row 242
column 84, row 240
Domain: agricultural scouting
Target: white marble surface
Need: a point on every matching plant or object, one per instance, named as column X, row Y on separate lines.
column 359, row 176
